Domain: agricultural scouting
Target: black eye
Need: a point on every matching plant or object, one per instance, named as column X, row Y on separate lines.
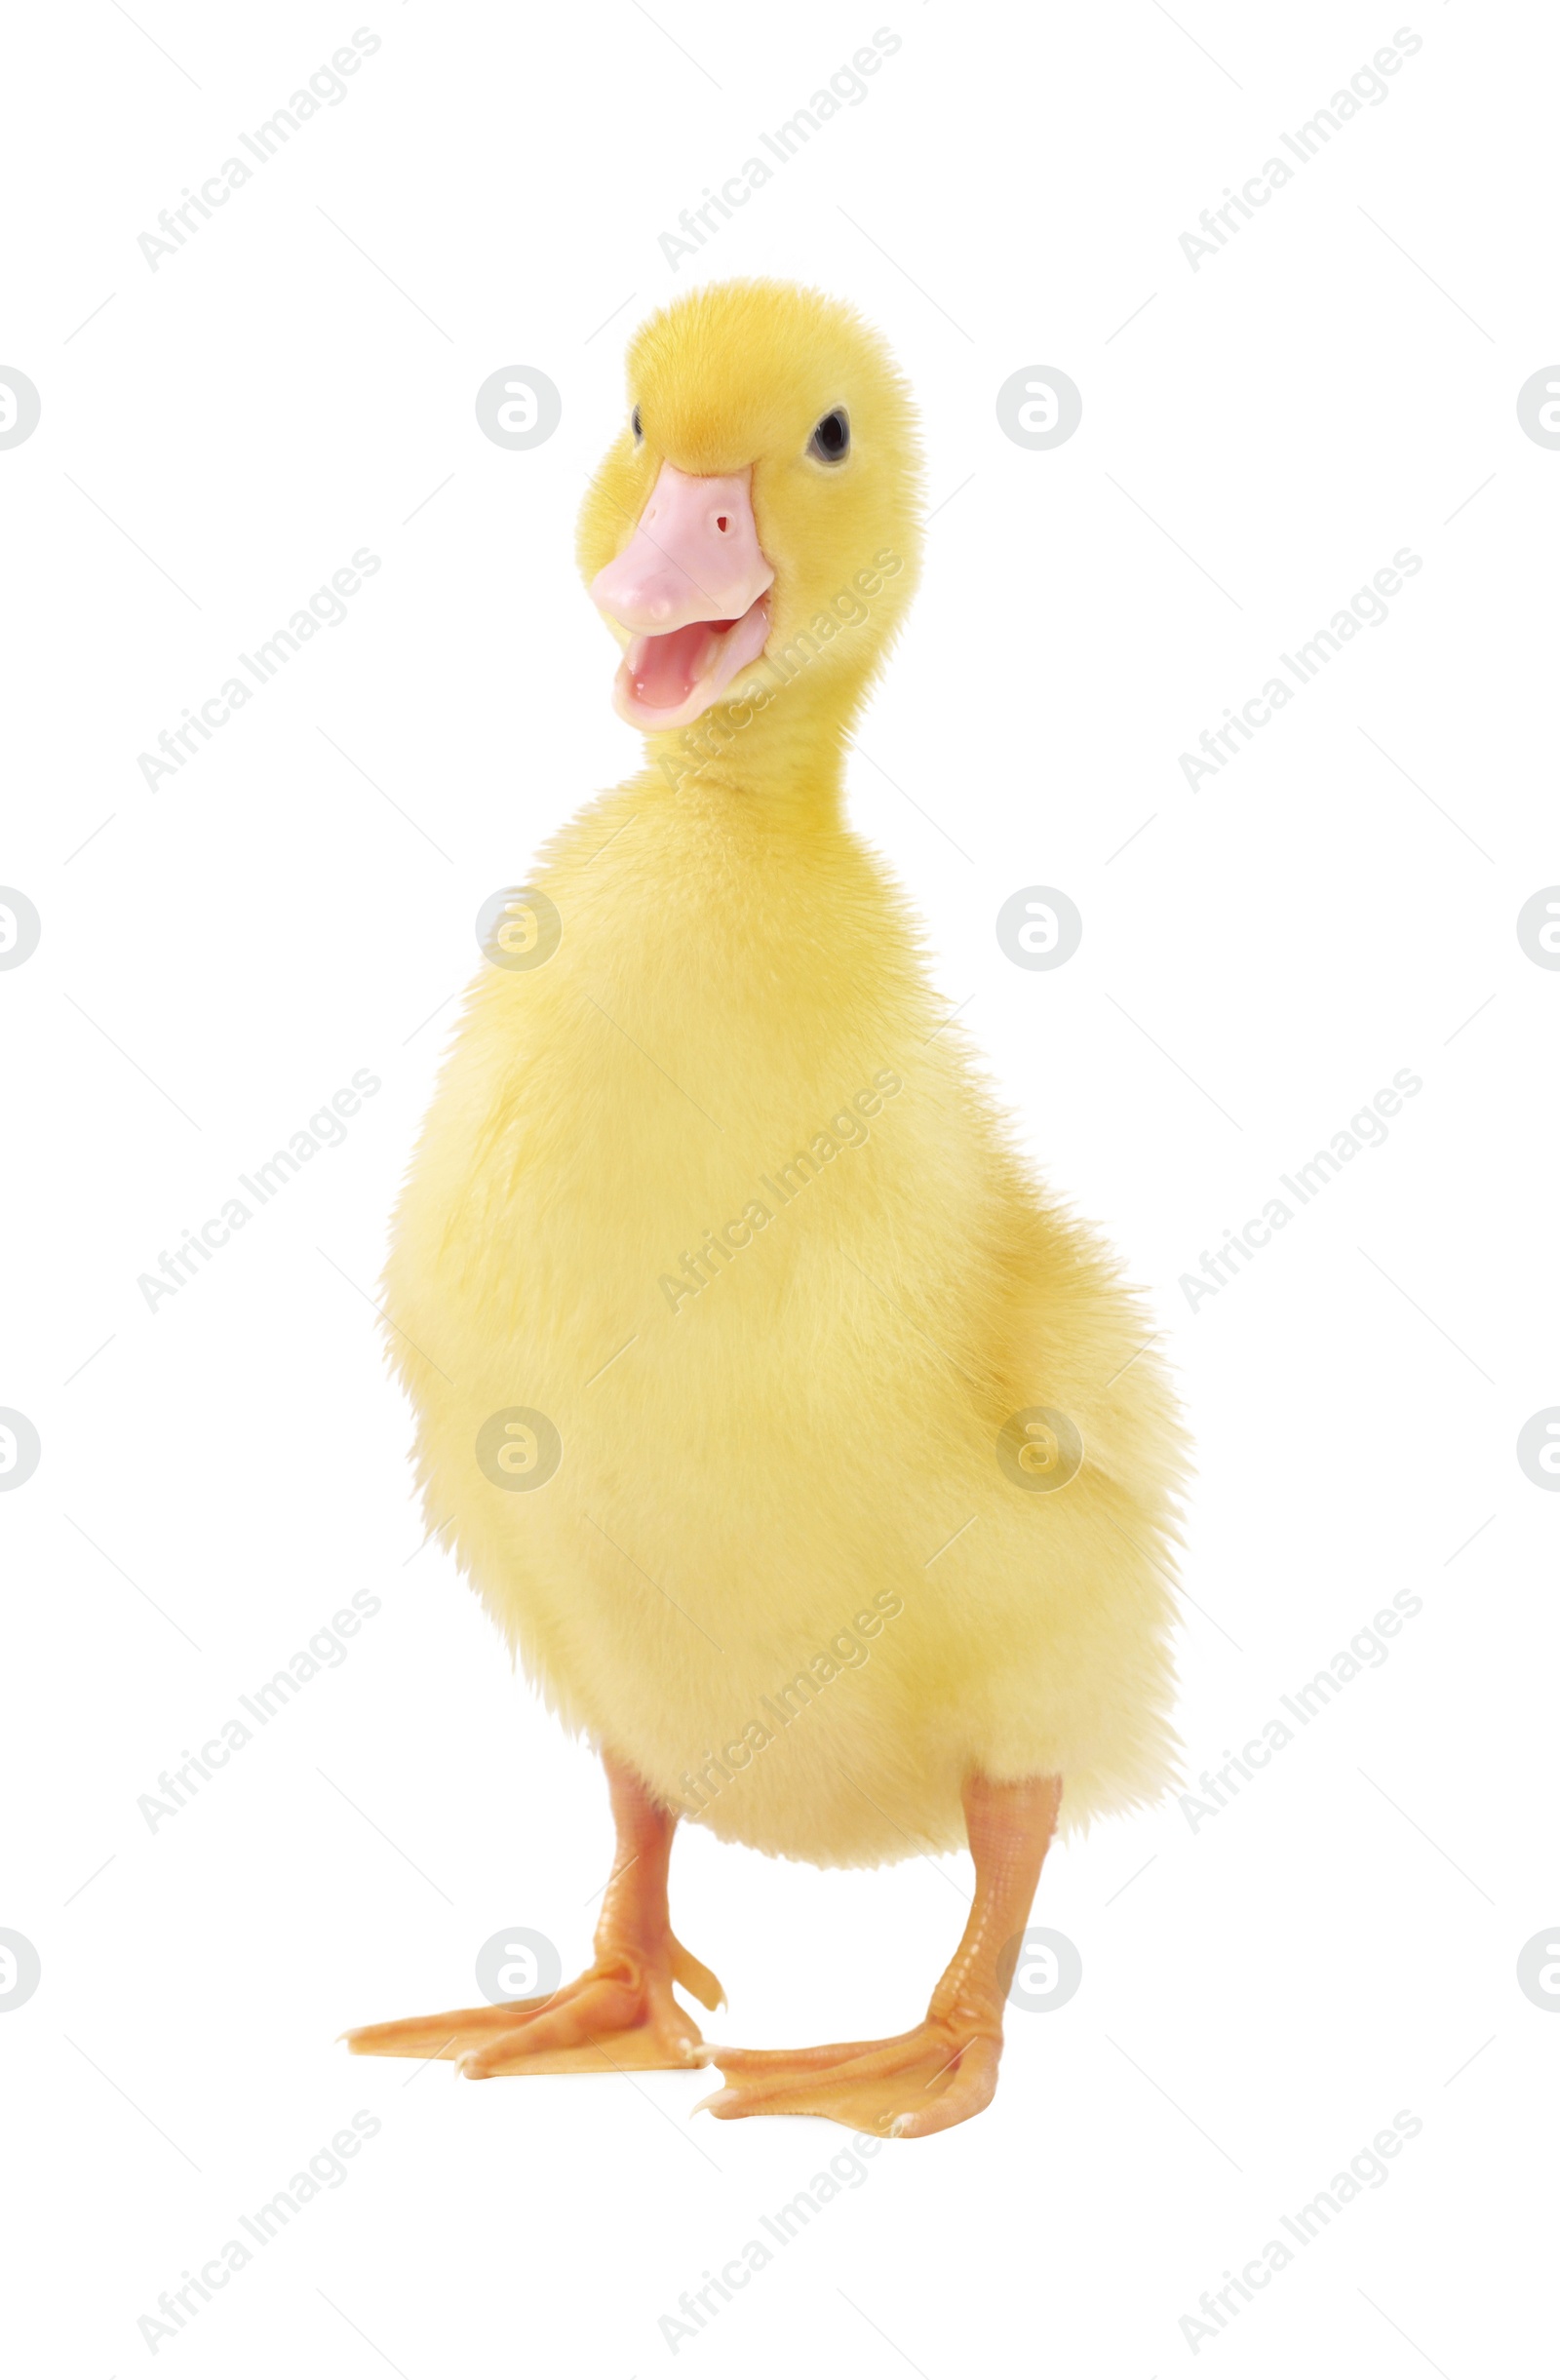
column 636, row 425
column 831, row 440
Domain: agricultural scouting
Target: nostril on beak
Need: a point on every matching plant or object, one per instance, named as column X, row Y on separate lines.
column 721, row 523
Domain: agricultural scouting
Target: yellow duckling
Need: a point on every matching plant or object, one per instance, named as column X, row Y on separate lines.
column 809, row 1456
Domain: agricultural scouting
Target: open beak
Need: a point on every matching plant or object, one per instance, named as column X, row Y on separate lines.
column 691, row 591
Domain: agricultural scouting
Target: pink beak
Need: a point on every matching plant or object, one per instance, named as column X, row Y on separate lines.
column 689, row 587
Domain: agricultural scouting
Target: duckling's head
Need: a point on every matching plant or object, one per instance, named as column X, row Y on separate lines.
column 752, row 535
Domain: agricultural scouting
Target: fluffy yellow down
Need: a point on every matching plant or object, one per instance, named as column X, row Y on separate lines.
column 779, row 1568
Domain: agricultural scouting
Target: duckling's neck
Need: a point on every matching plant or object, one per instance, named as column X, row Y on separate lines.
column 787, row 757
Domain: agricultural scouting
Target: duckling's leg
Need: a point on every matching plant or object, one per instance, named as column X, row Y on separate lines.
column 944, row 2069
column 620, row 2013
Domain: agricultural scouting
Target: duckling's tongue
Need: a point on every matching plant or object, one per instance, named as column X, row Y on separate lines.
column 663, row 670
column 667, row 681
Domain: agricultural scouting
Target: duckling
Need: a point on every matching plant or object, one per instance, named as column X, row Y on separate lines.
column 814, row 1459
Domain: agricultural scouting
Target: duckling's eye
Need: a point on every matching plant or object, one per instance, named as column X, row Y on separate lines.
column 831, row 440
column 637, row 426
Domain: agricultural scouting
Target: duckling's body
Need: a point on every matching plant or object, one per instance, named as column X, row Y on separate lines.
column 749, row 1465
column 816, row 1463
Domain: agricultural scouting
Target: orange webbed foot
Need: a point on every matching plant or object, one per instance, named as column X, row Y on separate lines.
column 940, row 2073
column 619, row 2017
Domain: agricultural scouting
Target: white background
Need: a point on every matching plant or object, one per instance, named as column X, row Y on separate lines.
column 1260, row 1996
